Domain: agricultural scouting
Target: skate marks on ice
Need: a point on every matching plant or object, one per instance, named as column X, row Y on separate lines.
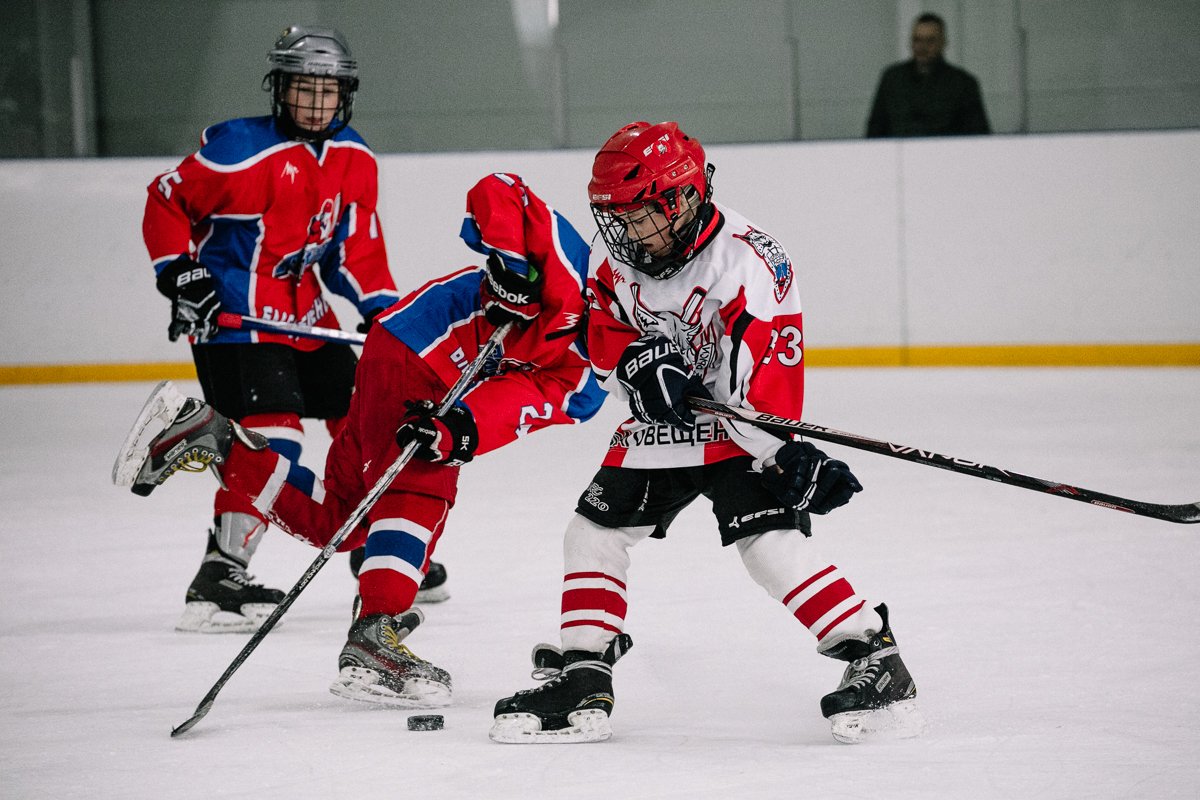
column 902, row 720
column 367, row 686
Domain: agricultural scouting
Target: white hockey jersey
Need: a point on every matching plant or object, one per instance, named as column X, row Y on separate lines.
column 734, row 312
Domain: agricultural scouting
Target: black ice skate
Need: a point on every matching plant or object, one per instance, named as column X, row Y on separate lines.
column 433, row 587
column 224, row 599
column 877, row 696
column 174, row 433
column 376, row 668
column 573, row 706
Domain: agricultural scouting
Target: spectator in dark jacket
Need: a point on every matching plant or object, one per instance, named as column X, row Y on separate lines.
column 925, row 96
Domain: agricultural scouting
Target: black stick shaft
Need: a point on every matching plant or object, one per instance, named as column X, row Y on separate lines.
column 356, row 516
column 1186, row 513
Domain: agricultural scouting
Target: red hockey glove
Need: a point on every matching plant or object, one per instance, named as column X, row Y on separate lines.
column 806, row 479
column 509, row 296
column 193, row 296
column 450, row 439
column 658, row 380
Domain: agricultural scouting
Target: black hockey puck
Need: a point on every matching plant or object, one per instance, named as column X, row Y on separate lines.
column 426, row 722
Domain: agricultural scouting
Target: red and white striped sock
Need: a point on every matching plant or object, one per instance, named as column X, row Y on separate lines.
column 814, row 591
column 593, row 601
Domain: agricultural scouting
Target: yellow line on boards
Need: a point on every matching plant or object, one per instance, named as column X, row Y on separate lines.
column 1020, row 355
column 91, row 373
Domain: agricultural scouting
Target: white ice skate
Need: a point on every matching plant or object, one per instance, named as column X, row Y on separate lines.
column 160, row 410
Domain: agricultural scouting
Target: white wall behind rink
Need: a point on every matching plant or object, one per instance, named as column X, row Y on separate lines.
column 1087, row 239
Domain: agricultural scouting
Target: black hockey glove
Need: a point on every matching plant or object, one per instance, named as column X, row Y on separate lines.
column 509, row 296
column 658, row 380
column 450, row 439
column 806, row 479
column 193, row 296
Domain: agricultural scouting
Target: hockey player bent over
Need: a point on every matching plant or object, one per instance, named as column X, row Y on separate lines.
column 535, row 274
column 695, row 299
column 243, row 225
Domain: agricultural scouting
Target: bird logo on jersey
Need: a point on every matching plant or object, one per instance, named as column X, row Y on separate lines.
column 686, row 328
column 774, row 256
column 320, row 231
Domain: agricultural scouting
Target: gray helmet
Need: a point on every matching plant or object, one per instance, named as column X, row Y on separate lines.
column 319, row 52
column 301, row 50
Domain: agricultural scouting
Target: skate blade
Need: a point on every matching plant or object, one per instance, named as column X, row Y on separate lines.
column 587, row 725
column 901, row 720
column 205, row 617
column 365, row 685
column 162, row 407
column 438, row 594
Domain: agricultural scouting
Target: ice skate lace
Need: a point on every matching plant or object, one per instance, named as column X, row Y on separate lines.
column 545, row 673
column 195, row 460
column 860, row 673
column 865, row 670
column 550, row 677
column 390, row 640
column 240, row 576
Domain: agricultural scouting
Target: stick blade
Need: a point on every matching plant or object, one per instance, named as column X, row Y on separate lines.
column 190, row 722
column 1188, row 513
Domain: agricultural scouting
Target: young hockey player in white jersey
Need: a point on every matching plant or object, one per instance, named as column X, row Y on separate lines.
column 693, row 299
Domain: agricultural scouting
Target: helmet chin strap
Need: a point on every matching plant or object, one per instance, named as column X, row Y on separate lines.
column 686, row 244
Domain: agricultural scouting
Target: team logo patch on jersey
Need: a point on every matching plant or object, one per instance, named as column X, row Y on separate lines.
column 687, row 328
column 774, row 256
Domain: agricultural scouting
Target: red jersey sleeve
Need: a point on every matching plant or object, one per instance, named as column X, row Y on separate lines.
column 609, row 330
column 180, row 199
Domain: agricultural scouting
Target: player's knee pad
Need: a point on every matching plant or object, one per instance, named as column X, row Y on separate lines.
column 283, row 430
column 588, row 546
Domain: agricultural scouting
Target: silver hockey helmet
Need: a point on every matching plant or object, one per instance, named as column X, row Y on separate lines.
column 320, row 53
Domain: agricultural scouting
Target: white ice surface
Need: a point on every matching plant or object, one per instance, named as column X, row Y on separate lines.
column 1054, row 643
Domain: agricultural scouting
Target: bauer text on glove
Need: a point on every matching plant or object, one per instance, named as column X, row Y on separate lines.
column 659, row 380
column 193, row 296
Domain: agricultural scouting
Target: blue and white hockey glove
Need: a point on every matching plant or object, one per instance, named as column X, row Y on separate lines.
column 193, row 296
column 806, row 479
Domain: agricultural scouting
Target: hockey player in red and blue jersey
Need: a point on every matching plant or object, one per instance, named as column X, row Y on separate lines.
column 534, row 276
column 244, row 225
column 694, row 299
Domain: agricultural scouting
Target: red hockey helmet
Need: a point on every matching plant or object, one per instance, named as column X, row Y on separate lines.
column 656, row 166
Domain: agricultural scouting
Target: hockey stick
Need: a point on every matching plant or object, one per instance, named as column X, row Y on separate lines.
column 349, row 525
column 1184, row 512
column 228, row 319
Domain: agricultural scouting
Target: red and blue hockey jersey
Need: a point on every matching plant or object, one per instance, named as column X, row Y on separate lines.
column 547, row 378
column 262, row 212
column 539, row 376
